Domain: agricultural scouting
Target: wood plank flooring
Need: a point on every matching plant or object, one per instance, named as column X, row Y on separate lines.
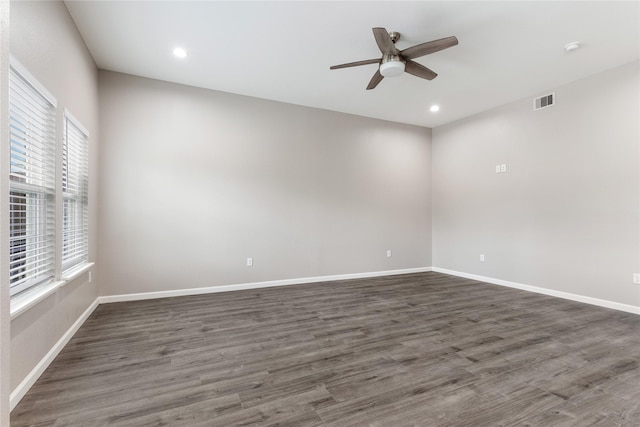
column 413, row 350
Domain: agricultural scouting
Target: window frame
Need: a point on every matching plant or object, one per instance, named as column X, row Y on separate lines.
column 74, row 178
column 32, row 178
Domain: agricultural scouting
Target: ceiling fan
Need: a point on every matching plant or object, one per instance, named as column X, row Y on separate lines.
column 394, row 62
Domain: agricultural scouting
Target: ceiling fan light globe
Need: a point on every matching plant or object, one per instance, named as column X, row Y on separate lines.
column 392, row 68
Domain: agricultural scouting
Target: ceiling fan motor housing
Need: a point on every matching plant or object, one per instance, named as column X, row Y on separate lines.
column 392, row 65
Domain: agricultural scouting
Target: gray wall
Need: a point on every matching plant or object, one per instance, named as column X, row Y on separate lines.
column 45, row 40
column 566, row 214
column 195, row 181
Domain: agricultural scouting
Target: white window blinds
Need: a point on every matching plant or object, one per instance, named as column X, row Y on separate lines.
column 32, row 119
column 75, row 182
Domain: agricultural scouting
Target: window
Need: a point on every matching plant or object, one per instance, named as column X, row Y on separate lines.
column 32, row 117
column 75, row 182
column 48, row 186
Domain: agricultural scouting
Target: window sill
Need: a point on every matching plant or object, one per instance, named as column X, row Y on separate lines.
column 74, row 272
column 25, row 300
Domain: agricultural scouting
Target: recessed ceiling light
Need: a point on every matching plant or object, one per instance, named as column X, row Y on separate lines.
column 180, row 52
column 435, row 108
column 570, row 47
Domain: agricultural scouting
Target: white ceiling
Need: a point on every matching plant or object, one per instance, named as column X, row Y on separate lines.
column 282, row 50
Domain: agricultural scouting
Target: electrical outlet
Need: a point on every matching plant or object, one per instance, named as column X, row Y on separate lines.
column 636, row 278
column 388, row 253
column 503, row 168
column 249, row 262
column 497, row 168
column 482, row 257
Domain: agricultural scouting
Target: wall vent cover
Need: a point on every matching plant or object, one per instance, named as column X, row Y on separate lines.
column 544, row 101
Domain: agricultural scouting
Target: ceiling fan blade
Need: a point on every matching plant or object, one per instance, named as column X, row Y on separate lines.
column 355, row 64
column 377, row 78
column 386, row 45
column 423, row 49
column 419, row 70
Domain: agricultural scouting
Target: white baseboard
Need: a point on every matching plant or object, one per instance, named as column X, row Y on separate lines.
column 255, row 285
column 32, row 377
column 559, row 294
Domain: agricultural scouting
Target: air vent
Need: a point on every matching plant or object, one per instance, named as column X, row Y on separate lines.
column 544, row 101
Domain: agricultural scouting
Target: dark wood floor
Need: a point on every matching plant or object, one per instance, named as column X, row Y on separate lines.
column 415, row 350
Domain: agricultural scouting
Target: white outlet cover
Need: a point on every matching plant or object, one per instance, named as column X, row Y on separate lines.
column 497, row 168
column 503, row 167
column 481, row 257
column 249, row 262
column 636, row 278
